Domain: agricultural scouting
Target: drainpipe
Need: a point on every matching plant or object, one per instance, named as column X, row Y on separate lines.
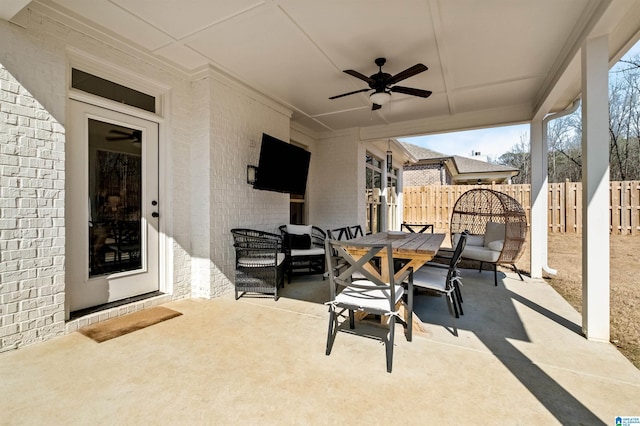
column 545, row 122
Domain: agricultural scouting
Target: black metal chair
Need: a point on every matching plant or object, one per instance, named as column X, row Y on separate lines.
column 340, row 234
column 444, row 280
column 417, row 227
column 356, row 231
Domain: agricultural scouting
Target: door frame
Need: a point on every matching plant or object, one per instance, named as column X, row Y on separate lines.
column 165, row 242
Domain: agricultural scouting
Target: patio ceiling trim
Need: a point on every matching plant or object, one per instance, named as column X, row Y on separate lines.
column 10, row 8
column 442, row 124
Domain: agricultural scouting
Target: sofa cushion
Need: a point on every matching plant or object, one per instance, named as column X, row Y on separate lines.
column 496, row 245
column 300, row 242
column 257, row 262
column 299, row 229
column 494, row 232
column 472, row 240
column 481, row 253
column 314, row 251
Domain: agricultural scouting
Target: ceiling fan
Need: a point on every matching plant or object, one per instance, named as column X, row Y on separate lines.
column 382, row 84
column 135, row 136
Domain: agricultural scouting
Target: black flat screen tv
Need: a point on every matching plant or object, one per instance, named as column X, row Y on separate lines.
column 282, row 167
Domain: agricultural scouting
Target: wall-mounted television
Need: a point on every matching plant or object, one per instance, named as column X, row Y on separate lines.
column 282, row 167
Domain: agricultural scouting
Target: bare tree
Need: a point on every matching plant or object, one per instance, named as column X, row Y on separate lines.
column 624, row 122
column 565, row 134
column 564, row 157
column 520, row 158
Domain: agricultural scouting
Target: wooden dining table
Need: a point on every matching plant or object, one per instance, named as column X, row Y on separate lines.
column 415, row 249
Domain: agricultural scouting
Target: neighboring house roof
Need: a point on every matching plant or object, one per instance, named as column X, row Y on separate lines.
column 422, row 153
column 462, row 168
column 469, row 165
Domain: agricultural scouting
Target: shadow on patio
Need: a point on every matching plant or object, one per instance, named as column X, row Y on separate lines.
column 519, row 358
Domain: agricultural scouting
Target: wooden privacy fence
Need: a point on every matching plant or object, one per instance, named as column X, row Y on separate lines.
column 434, row 204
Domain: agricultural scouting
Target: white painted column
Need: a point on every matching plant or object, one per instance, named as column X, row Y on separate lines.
column 595, row 189
column 539, row 202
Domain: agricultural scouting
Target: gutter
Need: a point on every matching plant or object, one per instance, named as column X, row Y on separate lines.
column 545, row 122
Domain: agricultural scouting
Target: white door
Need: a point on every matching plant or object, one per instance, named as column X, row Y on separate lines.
column 112, row 206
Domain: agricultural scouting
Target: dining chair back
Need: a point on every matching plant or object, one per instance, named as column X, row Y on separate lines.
column 356, row 231
column 369, row 293
column 340, row 234
column 417, row 227
column 445, row 280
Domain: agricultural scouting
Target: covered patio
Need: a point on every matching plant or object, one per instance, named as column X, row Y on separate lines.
column 520, row 358
column 216, row 76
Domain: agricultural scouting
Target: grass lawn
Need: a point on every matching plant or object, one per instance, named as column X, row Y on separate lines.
column 565, row 255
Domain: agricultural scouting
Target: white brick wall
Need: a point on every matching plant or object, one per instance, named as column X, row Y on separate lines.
column 227, row 133
column 31, row 218
column 203, row 167
column 337, row 166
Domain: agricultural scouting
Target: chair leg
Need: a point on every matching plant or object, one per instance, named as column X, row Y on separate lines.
column 495, row 274
column 517, row 271
column 455, row 307
column 352, row 319
column 389, row 342
column 480, row 268
column 451, row 307
column 333, row 327
column 454, row 296
column 456, row 287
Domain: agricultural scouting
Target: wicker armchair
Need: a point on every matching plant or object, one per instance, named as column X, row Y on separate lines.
column 259, row 262
column 304, row 249
column 497, row 226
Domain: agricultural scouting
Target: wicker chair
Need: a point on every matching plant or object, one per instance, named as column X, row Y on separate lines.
column 497, row 226
column 259, row 262
column 304, row 249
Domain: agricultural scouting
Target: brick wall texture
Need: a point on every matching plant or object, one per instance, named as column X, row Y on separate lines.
column 426, row 174
column 211, row 131
column 32, row 232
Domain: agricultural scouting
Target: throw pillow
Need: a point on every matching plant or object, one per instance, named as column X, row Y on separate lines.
column 494, row 232
column 300, row 242
column 496, row 245
column 299, row 229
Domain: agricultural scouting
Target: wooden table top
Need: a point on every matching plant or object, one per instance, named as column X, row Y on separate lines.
column 410, row 244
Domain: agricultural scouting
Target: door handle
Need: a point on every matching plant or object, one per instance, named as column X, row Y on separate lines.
column 155, row 214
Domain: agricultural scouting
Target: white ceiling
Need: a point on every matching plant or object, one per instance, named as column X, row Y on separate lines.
column 490, row 61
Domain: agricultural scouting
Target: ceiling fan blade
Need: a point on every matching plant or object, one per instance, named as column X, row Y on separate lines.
column 375, row 107
column 119, row 138
column 356, row 74
column 350, row 93
column 411, row 91
column 409, row 72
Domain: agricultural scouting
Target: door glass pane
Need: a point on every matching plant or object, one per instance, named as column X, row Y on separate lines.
column 115, row 198
column 108, row 89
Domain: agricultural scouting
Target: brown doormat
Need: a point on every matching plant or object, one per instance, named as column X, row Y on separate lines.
column 120, row 326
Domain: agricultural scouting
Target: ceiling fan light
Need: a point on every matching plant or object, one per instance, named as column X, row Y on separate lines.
column 380, row 98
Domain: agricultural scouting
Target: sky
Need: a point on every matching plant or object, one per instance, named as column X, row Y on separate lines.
column 492, row 142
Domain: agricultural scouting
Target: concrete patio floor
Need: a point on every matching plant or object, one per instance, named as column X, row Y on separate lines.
column 519, row 359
